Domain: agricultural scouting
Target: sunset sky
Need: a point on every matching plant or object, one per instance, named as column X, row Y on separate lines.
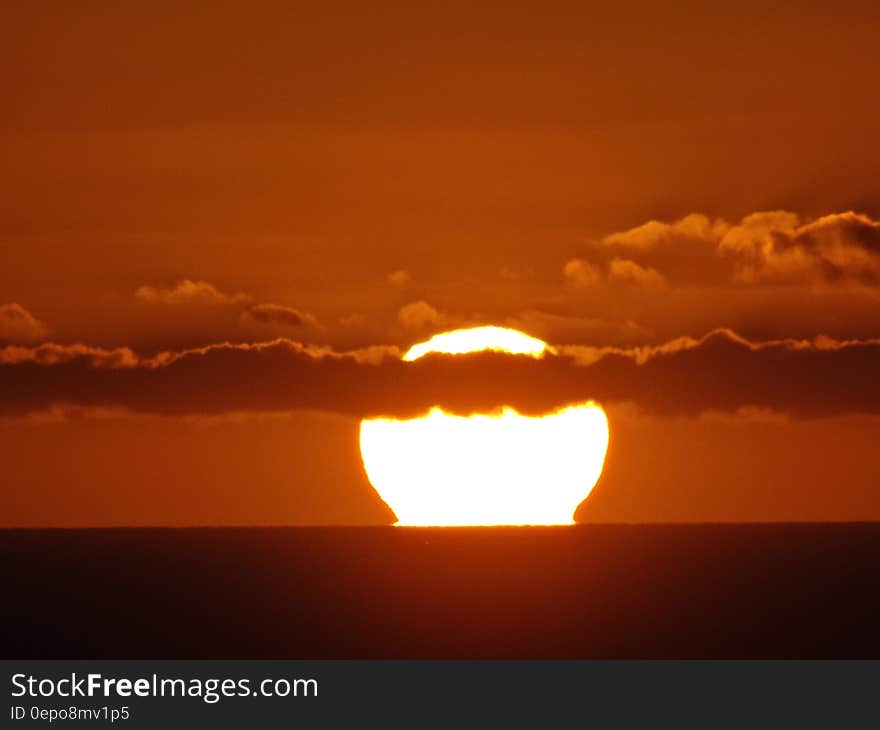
column 220, row 229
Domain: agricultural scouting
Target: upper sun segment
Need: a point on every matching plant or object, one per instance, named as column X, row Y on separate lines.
column 477, row 339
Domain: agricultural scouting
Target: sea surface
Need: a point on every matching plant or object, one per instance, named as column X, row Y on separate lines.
column 586, row 591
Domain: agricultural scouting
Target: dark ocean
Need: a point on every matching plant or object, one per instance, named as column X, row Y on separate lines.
column 587, row 591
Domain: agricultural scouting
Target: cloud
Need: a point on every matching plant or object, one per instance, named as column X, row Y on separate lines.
column 719, row 373
column 641, row 354
column 50, row 353
column 420, row 316
column 420, row 319
column 213, row 307
column 399, row 278
column 777, row 247
column 656, row 233
column 189, row 292
column 275, row 314
column 567, row 328
column 580, row 273
column 627, row 271
column 19, row 325
column 774, row 247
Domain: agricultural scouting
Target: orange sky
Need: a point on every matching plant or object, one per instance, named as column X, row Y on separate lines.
column 356, row 178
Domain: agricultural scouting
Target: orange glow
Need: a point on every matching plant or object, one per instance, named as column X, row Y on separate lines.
column 500, row 468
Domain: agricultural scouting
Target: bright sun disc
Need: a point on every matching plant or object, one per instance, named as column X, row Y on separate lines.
column 499, row 468
column 476, row 339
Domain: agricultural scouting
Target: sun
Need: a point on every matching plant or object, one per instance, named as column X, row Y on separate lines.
column 499, row 468
column 476, row 339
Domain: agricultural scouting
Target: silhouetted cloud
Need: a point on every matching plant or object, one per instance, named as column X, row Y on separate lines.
column 204, row 295
column 628, row 271
column 777, row 247
column 275, row 314
column 566, row 328
column 657, row 233
column 718, row 373
column 580, row 273
column 19, row 325
column 189, row 292
column 419, row 316
column 770, row 246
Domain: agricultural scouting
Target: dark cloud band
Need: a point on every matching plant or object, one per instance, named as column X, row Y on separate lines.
column 720, row 372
